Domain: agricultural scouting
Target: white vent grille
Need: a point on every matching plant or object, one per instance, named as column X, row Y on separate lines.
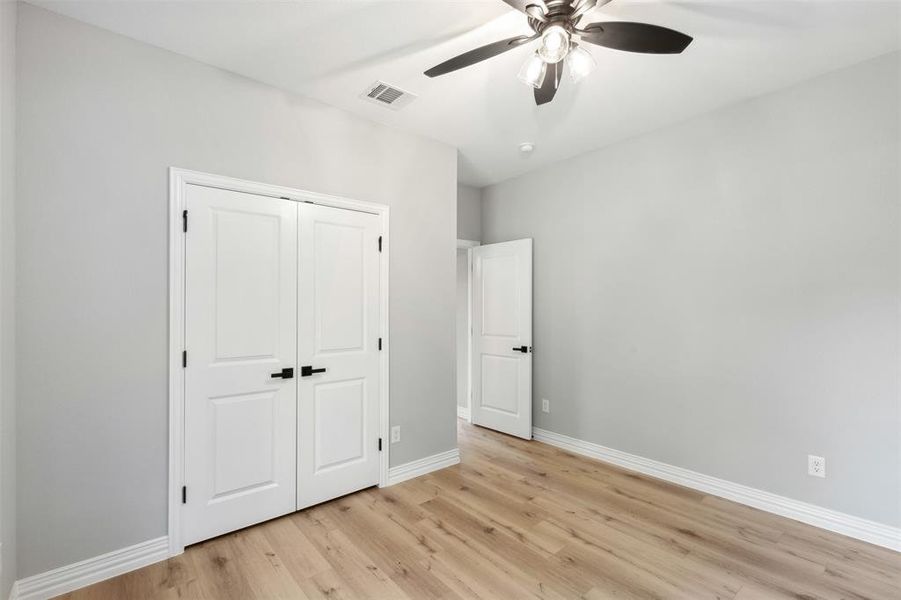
column 387, row 95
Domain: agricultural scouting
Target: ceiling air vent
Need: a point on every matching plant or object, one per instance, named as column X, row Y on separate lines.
column 387, row 95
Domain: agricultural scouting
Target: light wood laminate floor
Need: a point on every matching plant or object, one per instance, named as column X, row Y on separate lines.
column 517, row 520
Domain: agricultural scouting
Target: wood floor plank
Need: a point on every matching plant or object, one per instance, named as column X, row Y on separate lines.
column 393, row 548
column 489, row 573
column 296, row 552
column 519, row 519
column 267, row 575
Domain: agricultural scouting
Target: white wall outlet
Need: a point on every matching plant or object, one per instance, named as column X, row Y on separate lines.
column 395, row 434
column 545, row 405
column 816, row 466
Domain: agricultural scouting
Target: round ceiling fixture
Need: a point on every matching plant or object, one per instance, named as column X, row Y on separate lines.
column 526, row 147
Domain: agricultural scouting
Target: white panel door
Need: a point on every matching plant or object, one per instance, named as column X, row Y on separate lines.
column 502, row 337
column 240, row 329
column 338, row 353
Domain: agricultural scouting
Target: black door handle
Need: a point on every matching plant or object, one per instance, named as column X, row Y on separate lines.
column 286, row 373
column 309, row 370
column 522, row 349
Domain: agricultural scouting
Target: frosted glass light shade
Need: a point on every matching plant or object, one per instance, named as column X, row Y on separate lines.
column 579, row 63
column 533, row 71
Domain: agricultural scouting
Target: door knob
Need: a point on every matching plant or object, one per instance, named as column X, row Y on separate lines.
column 523, row 349
column 309, row 370
column 286, row 373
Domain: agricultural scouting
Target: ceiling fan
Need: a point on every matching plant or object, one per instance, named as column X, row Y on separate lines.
column 556, row 24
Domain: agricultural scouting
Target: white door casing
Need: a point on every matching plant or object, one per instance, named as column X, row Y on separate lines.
column 338, row 331
column 240, row 328
column 502, row 337
column 464, row 329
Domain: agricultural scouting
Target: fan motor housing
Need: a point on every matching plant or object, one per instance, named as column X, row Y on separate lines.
column 559, row 12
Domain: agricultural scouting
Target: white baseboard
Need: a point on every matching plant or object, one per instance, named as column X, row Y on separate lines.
column 824, row 518
column 423, row 466
column 463, row 412
column 90, row 571
column 93, row 570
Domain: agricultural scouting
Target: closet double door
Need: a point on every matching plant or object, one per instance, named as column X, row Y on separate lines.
column 282, row 369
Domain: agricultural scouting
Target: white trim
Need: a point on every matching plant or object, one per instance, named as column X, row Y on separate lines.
column 93, row 570
column 824, row 518
column 177, row 203
column 384, row 365
column 423, row 466
column 179, row 179
column 14, row 591
column 465, row 412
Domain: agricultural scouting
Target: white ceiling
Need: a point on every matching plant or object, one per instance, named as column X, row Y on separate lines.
column 332, row 50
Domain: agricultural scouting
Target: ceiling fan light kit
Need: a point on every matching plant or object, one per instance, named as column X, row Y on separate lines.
column 554, row 44
column 533, row 71
column 555, row 23
column 580, row 63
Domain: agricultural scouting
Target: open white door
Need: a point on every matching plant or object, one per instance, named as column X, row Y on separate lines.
column 338, row 352
column 241, row 341
column 502, row 337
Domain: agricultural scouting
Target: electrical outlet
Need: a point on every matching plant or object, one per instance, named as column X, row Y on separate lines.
column 545, row 405
column 816, row 466
column 395, row 434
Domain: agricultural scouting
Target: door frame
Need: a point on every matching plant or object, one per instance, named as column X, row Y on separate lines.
column 468, row 245
column 179, row 179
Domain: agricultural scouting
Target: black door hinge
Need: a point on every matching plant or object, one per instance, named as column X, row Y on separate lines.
column 184, row 494
column 184, row 359
column 380, row 444
column 184, row 221
column 380, row 343
column 380, row 243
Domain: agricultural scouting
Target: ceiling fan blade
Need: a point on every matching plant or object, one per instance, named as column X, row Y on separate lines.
column 478, row 55
column 533, row 8
column 635, row 37
column 548, row 89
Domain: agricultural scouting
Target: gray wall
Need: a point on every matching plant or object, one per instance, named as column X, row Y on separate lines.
column 723, row 294
column 101, row 118
column 469, row 213
column 7, row 296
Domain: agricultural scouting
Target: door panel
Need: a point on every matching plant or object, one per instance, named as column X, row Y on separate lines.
column 500, row 297
column 339, row 407
column 500, row 383
column 240, row 327
column 338, row 330
column 339, row 270
column 246, row 253
column 502, row 322
column 244, row 432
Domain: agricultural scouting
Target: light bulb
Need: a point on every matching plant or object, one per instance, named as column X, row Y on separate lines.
column 533, row 71
column 554, row 44
column 579, row 63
